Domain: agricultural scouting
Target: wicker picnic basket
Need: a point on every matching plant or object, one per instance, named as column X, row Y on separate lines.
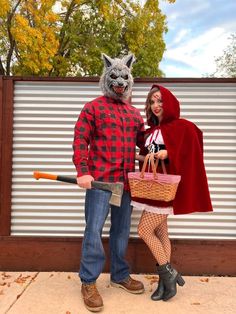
column 153, row 185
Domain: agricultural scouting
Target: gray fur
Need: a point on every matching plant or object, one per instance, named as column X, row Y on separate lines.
column 117, row 73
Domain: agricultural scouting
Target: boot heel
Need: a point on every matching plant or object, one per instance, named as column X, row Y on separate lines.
column 180, row 280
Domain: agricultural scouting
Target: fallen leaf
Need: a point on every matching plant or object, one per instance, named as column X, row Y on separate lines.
column 151, row 277
column 204, row 280
column 5, row 276
column 152, row 281
column 21, row 279
column 3, row 283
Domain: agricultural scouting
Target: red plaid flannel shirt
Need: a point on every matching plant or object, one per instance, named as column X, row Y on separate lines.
column 105, row 137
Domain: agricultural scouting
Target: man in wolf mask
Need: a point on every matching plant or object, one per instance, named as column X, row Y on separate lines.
column 106, row 134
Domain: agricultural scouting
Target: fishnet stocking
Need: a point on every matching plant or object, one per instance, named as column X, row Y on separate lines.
column 162, row 234
column 153, row 230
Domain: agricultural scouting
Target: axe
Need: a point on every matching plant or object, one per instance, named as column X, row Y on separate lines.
column 116, row 188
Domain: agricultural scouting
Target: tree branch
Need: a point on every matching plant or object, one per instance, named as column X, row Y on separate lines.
column 2, row 70
column 11, row 39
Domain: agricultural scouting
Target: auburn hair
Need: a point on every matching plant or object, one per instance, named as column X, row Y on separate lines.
column 150, row 116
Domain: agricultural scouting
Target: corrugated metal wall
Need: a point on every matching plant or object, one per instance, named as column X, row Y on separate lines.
column 44, row 118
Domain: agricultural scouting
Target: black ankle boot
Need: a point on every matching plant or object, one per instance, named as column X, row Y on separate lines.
column 159, row 292
column 170, row 277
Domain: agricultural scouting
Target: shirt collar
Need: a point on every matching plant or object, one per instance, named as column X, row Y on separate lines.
column 118, row 101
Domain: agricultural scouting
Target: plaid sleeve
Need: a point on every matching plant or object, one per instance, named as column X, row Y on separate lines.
column 82, row 132
column 141, row 131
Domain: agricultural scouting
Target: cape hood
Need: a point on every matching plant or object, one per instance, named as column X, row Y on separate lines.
column 171, row 106
column 184, row 143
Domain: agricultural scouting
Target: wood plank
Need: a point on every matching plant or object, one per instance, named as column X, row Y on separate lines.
column 1, row 123
column 6, row 155
column 190, row 257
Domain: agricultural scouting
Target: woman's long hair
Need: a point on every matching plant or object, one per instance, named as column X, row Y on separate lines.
column 151, row 118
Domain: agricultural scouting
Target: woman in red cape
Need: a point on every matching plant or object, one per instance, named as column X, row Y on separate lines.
column 180, row 143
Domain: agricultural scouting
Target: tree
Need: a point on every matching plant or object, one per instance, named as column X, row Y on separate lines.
column 66, row 37
column 28, row 37
column 226, row 64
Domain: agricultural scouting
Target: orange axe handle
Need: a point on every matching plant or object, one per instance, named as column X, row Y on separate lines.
column 41, row 175
column 116, row 188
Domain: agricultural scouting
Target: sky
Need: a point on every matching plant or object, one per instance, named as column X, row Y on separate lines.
column 198, row 32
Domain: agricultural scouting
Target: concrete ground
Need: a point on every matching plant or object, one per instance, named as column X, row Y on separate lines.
column 59, row 293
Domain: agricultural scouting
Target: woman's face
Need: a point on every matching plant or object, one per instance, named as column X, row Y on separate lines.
column 156, row 105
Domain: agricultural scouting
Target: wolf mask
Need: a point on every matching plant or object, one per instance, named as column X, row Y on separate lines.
column 117, row 81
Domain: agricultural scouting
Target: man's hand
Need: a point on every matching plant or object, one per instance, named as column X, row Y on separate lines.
column 162, row 154
column 85, row 181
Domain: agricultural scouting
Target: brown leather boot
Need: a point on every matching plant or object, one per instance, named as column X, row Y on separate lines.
column 130, row 285
column 92, row 299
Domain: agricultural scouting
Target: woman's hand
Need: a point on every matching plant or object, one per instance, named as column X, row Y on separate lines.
column 162, row 154
column 139, row 157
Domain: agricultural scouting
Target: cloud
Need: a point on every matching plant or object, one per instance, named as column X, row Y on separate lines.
column 182, row 34
column 198, row 33
column 198, row 53
column 176, row 70
column 184, row 11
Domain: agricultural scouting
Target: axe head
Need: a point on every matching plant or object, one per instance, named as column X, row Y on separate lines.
column 116, row 190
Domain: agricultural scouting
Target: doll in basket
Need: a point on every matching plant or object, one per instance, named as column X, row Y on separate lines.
column 179, row 143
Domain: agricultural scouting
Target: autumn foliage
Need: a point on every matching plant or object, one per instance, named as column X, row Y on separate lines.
column 66, row 38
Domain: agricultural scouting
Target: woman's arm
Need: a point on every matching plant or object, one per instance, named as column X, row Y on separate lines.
column 139, row 157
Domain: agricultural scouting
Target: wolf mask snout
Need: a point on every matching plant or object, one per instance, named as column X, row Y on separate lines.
column 117, row 81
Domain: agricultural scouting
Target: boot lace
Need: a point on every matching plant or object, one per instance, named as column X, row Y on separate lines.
column 92, row 290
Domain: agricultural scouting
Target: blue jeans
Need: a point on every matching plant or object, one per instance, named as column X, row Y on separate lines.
column 93, row 255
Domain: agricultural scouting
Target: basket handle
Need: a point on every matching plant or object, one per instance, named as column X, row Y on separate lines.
column 154, row 165
column 144, row 165
column 162, row 164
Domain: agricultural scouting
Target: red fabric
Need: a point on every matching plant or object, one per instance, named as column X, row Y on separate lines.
column 105, row 139
column 184, row 144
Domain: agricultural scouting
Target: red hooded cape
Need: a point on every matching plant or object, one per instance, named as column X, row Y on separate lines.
column 184, row 144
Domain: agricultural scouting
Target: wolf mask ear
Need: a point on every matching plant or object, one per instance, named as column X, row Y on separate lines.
column 129, row 60
column 107, row 60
